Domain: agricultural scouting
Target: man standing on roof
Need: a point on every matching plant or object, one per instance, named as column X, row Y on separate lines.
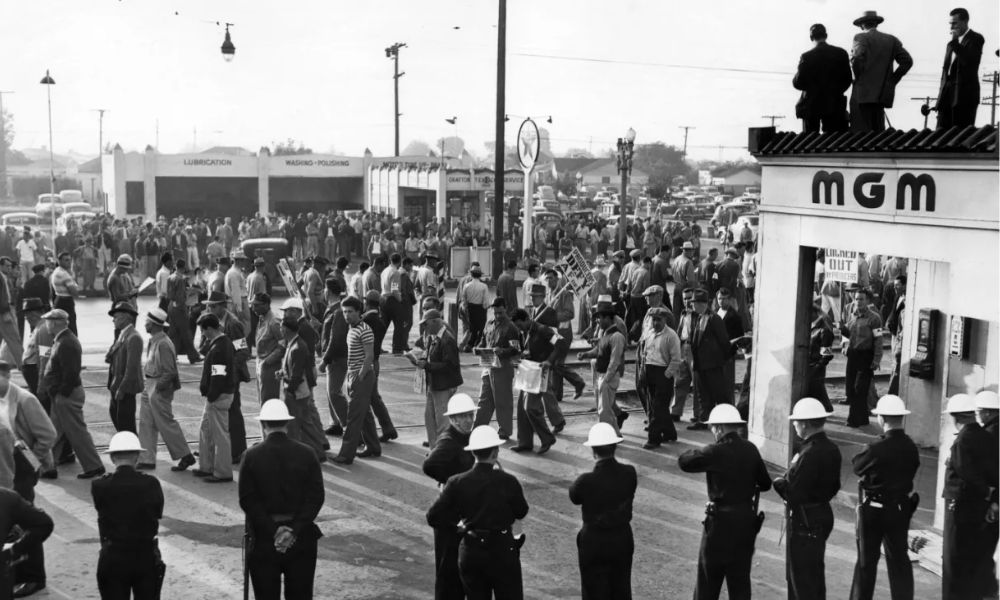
column 824, row 74
column 872, row 56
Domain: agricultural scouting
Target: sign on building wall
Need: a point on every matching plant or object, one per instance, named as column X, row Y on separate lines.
column 841, row 265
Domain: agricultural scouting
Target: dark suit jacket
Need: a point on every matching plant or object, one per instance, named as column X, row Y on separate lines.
column 711, row 347
column 449, row 456
column 872, row 56
column 443, row 365
column 126, row 365
column 606, row 494
column 824, row 74
column 964, row 74
column 38, row 287
column 733, row 324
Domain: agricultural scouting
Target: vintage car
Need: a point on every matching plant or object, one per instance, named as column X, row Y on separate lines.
column 271, row 250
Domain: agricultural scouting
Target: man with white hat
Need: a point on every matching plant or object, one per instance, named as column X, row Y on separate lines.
column 484, row 502
column 449, row 457
column 811, row 481
column 970, row 483
column 129, row 508
column 886, row 469
column 281, row 491
column 605, row 544
column 736, row 475
column 156, row 417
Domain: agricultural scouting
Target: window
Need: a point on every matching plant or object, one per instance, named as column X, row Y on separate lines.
column 605, row 180
column 135, row 197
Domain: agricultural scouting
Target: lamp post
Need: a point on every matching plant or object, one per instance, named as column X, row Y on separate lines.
column 579, row 186
column 393, row 53
column 48, row 82
column 228, row 49
column 625, row 146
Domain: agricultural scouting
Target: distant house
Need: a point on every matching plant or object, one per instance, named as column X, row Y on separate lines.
column 737, row 179
column 595, row 173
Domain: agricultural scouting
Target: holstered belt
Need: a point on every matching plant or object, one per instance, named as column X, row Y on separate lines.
column 281, row 517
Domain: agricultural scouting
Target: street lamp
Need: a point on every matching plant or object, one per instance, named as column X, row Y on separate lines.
column 48, row 82
column 228, row 49
column 579, row 185
column 625, row 146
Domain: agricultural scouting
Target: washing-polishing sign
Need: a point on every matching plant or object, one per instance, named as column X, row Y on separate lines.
column 528, row 144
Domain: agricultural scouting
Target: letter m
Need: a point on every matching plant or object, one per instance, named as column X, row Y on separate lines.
column 916, row 184
column 827, row 181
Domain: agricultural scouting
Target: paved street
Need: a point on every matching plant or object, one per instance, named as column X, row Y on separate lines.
column 377, row 544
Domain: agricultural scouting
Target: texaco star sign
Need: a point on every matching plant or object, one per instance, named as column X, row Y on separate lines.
column 527, row 144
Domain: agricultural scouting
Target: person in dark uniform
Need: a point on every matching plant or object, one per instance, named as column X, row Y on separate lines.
column 35, row 524
column 605, row 543
column 281, row 492
column 129, row 508
column 820, row 355
column 811, row 481
column 970, row 482
column 886, row 468
column 736, row 474
column 449, row 457
column 824, row 74
column 988, row 409
column 484, row 502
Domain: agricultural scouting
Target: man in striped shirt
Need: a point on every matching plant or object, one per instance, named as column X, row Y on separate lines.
column 360, row 384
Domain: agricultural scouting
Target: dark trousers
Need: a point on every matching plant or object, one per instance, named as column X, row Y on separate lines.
column 805, row 551
column 886, row 526
column 379, row 408
column 30, row 373
column 394, row 314
column 637, row 307
column 32, row 568
column 180, row 333
column 531, row 420
column 967, row 565
column 712, row 389
column 831, row 122
column 605, row 557
column 477, row 324
column 447, row 581
column 561, row 372
column 360, row 420
column 237, row 428
column 660, row 393
column 491, row 570
column 678, row 303
column 868, row 117
column 252, row 334
column 68, row 304
column 726, row 553
column 297, row 566
column 122, row 412
column 816, row 385
column 858, row 380
column 126, row 573
column 955, row 116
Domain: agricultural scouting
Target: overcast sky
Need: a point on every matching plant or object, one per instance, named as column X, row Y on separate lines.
column 316, row 71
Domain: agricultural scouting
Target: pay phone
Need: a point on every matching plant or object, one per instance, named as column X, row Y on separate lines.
column 922, row 363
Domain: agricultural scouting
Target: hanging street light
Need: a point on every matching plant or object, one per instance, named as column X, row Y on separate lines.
column 48, row 82
column 228, row 49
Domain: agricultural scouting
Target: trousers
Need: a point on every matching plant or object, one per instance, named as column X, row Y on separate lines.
column 237, row 427
column 859, row 379
column 305, row 427
column 713, row 389
column 805, row 551
column 214, row 447
column 379, row 408
column 884, row 526
column 126, row 573
column 531, row 420
column 180, row 332
column 496, row 393
column 336, row 372
column 447, row 581
column 491, row 570
column 67, row 418
column 68, row 304
column 685, row 384
column 659, row 392
column 122, row 411
column 605, row 557
column 607, row 388
column 435, row 421
column 967, row 563
column 32, row 569
column 297, row 567
column 156, row 419
column 360, row 420
column 726, row 554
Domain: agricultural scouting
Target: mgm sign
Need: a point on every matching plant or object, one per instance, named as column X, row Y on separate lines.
column 869, row 191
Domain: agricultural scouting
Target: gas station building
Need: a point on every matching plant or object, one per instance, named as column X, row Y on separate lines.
column 928, row 196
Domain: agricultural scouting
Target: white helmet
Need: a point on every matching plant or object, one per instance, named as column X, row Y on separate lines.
column 274, row 410
column 460, row 404
column 124, row 441
column 292, row 303
column 988, row 400
column 724, row 414
column 890, row 406
column 483, row 437
column 960, row 403
column 807, row 409
column 602, row 434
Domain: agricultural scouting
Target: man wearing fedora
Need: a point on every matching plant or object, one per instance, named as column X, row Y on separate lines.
column 685, row 274
column 281, row 492
column 823, row 75
column 605, row 543
column 496, row 391
column 125, row 378
column 443, row 371
column 120, row 285
column 958, row 97
column 886, row 469
column 156, row 417
column 807, row 487
column 872, row 56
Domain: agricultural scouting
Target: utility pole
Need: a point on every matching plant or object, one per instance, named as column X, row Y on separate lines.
column 773, row 118
column 994, row 80
column 100, row 150
column 393, row 53
column 3, row 147
column 498, row 164
column 685, row 128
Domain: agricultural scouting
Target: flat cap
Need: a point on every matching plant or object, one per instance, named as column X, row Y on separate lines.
column 653, row 289
column 56, row 314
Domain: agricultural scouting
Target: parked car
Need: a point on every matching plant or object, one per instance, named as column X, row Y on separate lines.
column 62, row 223
column 71, row 196
column 19, row 220
column 77, row 207
column 271, row 250
column 47, row 203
